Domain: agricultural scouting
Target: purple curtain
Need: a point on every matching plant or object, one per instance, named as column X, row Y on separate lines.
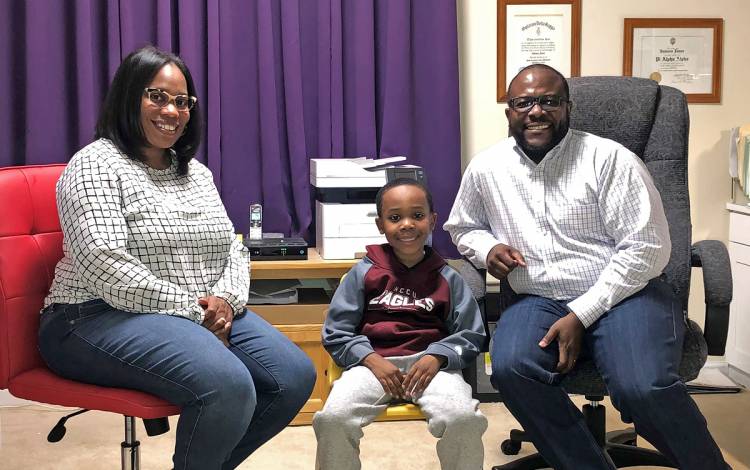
column 280, row 82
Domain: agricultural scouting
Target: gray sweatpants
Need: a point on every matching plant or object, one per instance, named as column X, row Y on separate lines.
column 357, row 398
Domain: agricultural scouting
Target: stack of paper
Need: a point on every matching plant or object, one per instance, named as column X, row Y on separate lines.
column 274, row 291
column 712, row 380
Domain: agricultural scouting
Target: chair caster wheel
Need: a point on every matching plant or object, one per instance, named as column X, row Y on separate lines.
column 509, row 447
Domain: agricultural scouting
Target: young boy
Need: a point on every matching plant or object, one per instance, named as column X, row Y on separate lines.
column 403, row 324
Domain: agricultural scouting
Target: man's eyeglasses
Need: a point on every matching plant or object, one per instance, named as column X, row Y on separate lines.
column 524, row 104
column 161, row 99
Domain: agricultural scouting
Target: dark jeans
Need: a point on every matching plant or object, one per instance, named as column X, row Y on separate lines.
column 233, row 399
column 637, row 347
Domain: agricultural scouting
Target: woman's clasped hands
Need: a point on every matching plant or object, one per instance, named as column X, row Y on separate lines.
column 218, row 317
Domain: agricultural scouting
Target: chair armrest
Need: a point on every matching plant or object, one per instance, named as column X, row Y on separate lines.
column 476, row 279
column 713, row 257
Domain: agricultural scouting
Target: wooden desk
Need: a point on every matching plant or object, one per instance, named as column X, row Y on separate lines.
column 314, row 267
column 302, row 322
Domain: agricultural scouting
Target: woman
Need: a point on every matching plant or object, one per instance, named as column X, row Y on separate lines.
column 151, row 289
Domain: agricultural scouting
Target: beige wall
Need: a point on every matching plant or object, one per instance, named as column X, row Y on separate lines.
column 483, row 120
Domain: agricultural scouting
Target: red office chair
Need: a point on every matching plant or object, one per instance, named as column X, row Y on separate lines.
column 30, row 247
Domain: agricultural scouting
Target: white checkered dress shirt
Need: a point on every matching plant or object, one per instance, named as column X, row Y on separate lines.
column 145, row 240
column 587, row 219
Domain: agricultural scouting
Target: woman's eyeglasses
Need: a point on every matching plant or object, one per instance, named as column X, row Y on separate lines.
column 161, row 99
column 524, row 104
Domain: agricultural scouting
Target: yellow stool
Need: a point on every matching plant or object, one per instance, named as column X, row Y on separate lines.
column 401, row 412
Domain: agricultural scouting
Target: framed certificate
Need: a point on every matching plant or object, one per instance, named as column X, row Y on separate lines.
column 684, row 53
column 537, row 32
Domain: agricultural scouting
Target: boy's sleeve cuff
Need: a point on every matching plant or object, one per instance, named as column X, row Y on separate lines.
column 453, row 360
column 357, row 353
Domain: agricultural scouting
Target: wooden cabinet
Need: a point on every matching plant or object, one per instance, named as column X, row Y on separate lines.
column 307, row 337
column 738, row 341
column 301, row 322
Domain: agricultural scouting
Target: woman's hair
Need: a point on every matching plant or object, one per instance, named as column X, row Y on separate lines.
column 120, row 117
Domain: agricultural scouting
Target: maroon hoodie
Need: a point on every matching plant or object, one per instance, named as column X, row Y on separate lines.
column 405, row 308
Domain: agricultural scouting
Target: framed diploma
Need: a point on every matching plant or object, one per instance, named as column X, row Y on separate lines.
column 684, row 53
column 537, row 32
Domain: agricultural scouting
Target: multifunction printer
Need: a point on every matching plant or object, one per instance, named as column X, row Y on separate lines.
column 345, row 211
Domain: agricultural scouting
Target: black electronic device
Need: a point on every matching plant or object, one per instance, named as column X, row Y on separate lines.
column 256, row 222
column 275, row 249
column 346, row 195
column 406, row 171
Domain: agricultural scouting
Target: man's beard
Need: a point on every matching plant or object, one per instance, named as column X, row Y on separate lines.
column 535, row 152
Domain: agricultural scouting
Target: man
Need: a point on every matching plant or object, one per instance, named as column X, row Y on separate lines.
column 577, row 226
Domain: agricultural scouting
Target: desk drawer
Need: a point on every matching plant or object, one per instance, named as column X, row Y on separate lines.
column 739, row 253
column 739, row 228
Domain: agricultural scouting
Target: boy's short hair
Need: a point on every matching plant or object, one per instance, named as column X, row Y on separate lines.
column 402, row 182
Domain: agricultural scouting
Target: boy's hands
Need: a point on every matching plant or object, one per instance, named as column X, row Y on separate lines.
column 218, row 317
column 409, row 386
column 502, row 259
column 388, row 375
column 421, row 374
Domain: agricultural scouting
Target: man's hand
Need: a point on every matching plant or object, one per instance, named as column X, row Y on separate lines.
column 421, row 374
column 569, row 334
column 389, row 376
column 218, row 317
column 502, row 259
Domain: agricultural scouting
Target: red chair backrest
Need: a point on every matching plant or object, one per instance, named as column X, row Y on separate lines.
column 30, row 247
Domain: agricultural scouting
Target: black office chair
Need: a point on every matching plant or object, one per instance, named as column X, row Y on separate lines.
column 652, row 121
column 477, row 281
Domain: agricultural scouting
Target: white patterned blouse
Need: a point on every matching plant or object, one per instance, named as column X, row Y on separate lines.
column 145, row 240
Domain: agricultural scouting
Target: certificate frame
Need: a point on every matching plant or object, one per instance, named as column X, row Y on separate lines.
column 566, row 55
column 698, row 42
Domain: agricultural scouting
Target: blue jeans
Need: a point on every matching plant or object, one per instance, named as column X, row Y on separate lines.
column 233, row 398
column 637, row 348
